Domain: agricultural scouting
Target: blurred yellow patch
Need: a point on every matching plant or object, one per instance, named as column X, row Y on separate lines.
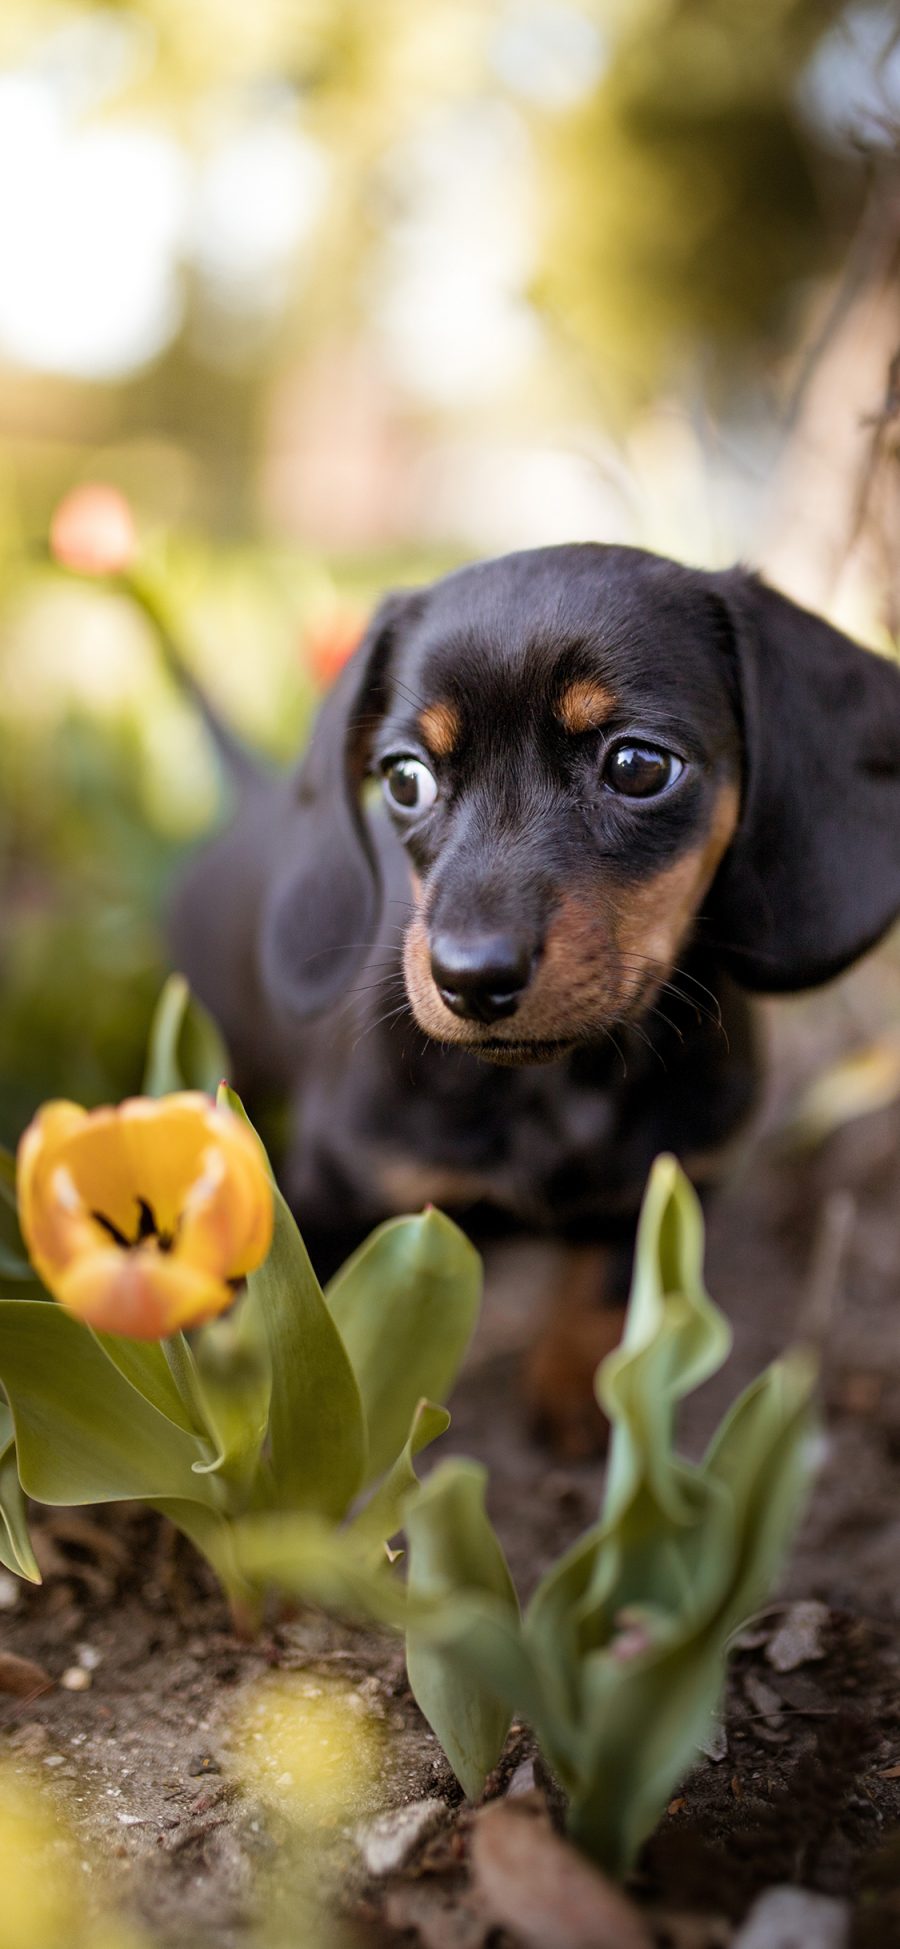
column 35, row 1870
column 139, row 1218
column 856, row 1086
column 309, row 1747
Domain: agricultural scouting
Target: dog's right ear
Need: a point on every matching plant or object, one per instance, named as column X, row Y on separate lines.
column 321, row 910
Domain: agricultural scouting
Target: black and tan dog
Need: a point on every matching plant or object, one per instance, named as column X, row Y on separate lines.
column 616, row 795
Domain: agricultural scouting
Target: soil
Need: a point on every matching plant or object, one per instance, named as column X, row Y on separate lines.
column 147, row 1759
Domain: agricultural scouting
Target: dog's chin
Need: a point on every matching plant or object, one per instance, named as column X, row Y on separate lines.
column 515, row 1055
column 506, row 1052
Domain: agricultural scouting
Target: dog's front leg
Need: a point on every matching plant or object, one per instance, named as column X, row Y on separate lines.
column 583, row 1317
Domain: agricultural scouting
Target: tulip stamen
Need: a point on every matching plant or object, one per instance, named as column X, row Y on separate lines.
column 100, row 1218
column 147, row 1228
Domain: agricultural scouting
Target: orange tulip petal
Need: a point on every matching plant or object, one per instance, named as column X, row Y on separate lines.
column 197, row 1169
column 44, row 1225
column 227, row 1215
column 145, row 1295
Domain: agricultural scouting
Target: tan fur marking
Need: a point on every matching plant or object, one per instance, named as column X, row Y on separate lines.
column 585, row 706
column 576, row 1333
column 653, row 919
column 606, row 955
column 440, row 727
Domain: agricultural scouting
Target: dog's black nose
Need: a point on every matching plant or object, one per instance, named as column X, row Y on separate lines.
column 482, row 976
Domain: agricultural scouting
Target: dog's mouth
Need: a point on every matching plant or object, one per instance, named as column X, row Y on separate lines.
column 503, row 1050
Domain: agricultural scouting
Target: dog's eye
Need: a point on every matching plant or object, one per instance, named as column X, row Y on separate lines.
column 409, row 786
column 640, row 771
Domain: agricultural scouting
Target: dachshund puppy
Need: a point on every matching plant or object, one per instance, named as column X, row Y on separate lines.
column 616, row 797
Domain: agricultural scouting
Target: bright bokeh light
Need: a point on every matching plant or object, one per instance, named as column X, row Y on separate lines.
column 259, row 196
column 91, row 220
column 452, row 303
column 547, row 52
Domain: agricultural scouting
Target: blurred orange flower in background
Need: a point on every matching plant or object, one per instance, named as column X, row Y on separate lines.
column 139, row 1218
column 329, row 642
column 93, row 531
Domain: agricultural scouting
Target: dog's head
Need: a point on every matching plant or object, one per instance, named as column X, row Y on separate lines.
column 589, row 755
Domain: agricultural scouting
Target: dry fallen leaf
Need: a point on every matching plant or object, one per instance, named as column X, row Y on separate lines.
column 798, row 1639
column 536, row 1884
column 22, row 1677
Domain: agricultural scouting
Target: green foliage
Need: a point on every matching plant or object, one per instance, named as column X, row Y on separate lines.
column 453, row 1548
column 266, row 1411
column 184, row 1043
column 683, row 198
column 618, row 1662
column 431, row 1279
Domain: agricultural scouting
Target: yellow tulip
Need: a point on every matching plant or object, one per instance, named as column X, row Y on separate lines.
column 139, row 1219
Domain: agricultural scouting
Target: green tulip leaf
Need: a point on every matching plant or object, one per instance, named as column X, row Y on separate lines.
column 453, row 1553
column 383, row 1513
column 620, row 1660
column 405, row 1306
column 185, row 1050
column 83, row 1432
column 16, row 1553
column 317, row 1563
column 212, row 1533
column 233, row 1373
column 317, row 1430
column 674, row 1339
column 143, row 1363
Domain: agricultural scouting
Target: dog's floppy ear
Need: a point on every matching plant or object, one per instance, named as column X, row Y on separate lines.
column 812, row 878
column 321, row 909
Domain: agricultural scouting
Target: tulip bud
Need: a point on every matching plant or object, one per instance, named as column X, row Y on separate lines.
column 93, row 531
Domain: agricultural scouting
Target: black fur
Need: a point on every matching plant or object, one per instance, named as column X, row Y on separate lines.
column 289, row 926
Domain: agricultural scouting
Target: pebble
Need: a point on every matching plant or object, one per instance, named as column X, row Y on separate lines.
column 793, row 1918
column 76, row 1679
column 387, row 1842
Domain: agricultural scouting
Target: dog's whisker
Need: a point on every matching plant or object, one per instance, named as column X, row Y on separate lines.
column 636, row 1029
column 380, row 1021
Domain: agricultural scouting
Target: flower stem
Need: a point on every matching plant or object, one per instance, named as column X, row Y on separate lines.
column 183, row 1370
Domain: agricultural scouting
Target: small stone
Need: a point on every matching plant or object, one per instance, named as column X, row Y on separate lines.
column 715, row 1745
column 55, row 1759
column 798, row 1640
column 793, row 1918
column 387, row 1842
column 76, row 1679
column 523, row 1781
column 203, row 1763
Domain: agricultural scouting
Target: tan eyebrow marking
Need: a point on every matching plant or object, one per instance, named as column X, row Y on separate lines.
column 585, row 705
column 440, row 727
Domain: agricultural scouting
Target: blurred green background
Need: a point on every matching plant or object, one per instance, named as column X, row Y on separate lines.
column 341, row 292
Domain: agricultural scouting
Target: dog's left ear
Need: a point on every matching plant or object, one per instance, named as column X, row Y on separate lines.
column 321, row 908
column 812, row 877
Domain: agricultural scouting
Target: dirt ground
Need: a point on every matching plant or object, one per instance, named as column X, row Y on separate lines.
column 803, row 1783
